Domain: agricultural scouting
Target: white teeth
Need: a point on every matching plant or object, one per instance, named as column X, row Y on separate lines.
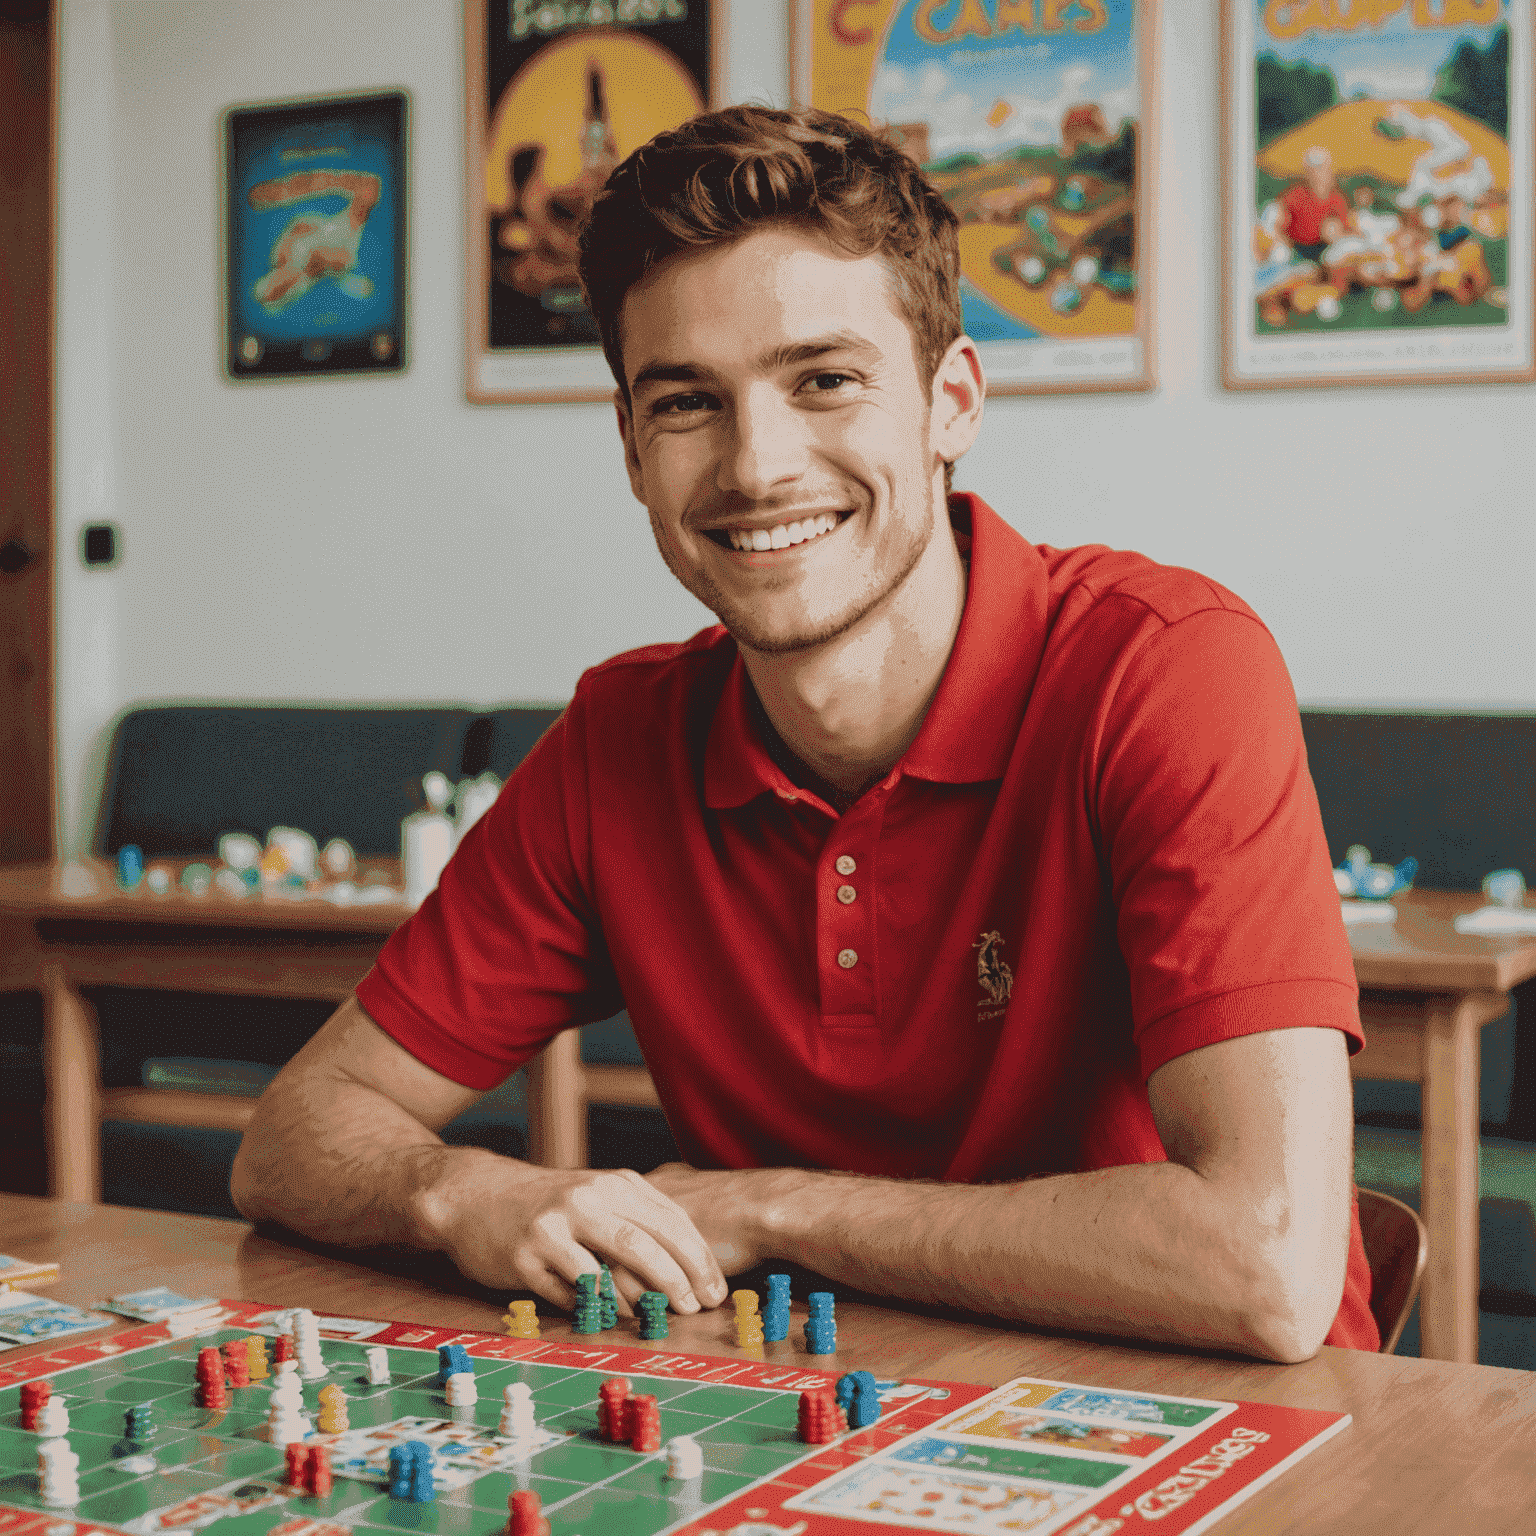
column 784, row 535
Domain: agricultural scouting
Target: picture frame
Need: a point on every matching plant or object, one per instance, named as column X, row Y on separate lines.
column 315, row 266
column 1037, row 120
column 557, row 95
column 1378, row 217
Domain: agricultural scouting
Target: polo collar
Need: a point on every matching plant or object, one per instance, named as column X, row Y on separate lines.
column 973, row 723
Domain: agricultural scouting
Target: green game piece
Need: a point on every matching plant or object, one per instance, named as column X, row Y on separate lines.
column 610, row 1299
column 653, row 1315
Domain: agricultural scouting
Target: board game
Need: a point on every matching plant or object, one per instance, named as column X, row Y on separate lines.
column 1032, row 1456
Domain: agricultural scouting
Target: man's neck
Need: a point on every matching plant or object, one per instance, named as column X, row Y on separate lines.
column 848, row 710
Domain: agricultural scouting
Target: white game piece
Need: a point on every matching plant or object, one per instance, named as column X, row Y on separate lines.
column 282, row 1369
column 378, row 1366
column 685, row 1457
column 53, row 1419
column 306, row 1344
column 460, row 1389
column 285, row 1417
column 135, row 1466
column 58, row 1467
column 517, row 1420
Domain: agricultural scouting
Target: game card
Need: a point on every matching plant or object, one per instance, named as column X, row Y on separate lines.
column 156, row 1304
column 27, row 1319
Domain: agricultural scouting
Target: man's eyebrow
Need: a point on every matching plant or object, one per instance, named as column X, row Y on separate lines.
column 787, row 356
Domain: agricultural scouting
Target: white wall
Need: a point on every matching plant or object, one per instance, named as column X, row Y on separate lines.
column 381, row 539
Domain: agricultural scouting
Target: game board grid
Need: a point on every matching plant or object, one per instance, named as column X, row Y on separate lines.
column 744, row 1447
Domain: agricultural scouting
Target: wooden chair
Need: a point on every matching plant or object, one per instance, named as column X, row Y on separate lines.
column 1397, row 1248
column 561, row 1085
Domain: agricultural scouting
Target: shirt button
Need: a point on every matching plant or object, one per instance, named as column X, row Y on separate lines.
column 845, row 865
column 847, row 958
column 784, row 794
column 846, row 893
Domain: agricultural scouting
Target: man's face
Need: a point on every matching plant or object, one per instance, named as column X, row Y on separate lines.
column 779, row 435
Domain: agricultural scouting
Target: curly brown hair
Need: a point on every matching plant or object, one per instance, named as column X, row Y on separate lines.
column 723, row 174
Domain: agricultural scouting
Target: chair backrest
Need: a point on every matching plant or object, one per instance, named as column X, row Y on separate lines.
column 1397, row 1248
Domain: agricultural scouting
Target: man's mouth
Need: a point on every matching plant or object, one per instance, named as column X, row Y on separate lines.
column 780, row 536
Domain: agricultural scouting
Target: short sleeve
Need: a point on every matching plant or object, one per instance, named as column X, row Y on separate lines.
column 507, row 951
column 1226, row 911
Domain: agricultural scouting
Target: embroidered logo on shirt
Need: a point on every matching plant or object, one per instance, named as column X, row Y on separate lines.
column 994, row 976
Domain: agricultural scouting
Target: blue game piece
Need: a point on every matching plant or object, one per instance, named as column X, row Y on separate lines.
column 820, row 1336
column 423, row 1489
column 452, row 1359
column 864, row 1409
column 130, row 866
column 820, row 1303
column 400, row 1464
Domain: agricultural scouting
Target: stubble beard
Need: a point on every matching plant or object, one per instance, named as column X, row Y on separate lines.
column 751, row 635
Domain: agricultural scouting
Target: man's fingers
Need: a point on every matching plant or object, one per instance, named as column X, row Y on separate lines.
column 628, row 1286
column 684, row 1242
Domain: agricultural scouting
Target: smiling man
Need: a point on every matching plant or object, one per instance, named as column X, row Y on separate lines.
column 969, row 897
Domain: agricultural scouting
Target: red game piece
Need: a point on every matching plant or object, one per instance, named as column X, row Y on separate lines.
column 644, row 1422
column 524, row 1515
column 296, row 1453
column 237, row 1364
column 821, row 1420
column 612, row 1410
column 34, row 1396
column 284, row 1349
column 317, row 1472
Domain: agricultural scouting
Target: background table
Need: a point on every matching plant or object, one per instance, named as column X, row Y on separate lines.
column 1433, row 1447
column 1426, row 991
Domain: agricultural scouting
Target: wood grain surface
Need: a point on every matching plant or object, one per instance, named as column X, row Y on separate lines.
column 1434, row 1448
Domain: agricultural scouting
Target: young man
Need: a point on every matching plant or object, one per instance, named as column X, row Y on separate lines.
column 969, row 898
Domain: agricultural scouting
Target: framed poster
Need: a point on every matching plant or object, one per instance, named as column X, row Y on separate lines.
column 314, row 237
column 1377, row 192
column 557, row 95
column 1036, row 121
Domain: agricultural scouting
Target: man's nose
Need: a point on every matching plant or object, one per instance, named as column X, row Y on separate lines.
column 768, row 445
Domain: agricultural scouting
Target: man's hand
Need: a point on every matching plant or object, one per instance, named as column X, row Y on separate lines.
column 511, row 1224
column 728, row 1208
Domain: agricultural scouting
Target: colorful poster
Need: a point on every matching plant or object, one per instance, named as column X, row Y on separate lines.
column 557, row 95
column 1032, row 118
column 314, row 240
column 1378, row 191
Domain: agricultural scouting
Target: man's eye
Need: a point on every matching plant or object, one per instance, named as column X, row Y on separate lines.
column 681, row 405
column 826, row 383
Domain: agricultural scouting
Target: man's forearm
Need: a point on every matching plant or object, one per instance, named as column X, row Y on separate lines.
column 338, row 1162
column 1152, row 1251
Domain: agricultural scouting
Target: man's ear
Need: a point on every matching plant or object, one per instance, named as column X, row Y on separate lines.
column 959, row 394
column 627, row 437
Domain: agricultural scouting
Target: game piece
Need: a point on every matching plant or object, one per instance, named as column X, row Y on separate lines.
column 378, row 1366
column 52, row 1420
column 644, row 1422
column 34, row 1394
column 522, row 1320
column 58, row 1467
column 136, row 1466
column 256, row 1357
column 524, row 1515
column 517, row 1421
column 685, row 1457
column 589, row 1306
column 400, row 1459
column 285, row 1416
column 423, row 1488
column 130, row 866
column 451, row 1358
column 306, row 1344
column 333, row 1410
column 608, row 1297
column 653, row 1314
column 820, row 1418
column 461, row 1390
column 859, row 1398
column 612, row 1410
column 318, row 1477
column 821, row 1326
column 283, row 1349
column 749, row 1326
column 295, row 1458
column 776, row 1309
column 210, row 1377
column 237, row 1363
column 138, row 1422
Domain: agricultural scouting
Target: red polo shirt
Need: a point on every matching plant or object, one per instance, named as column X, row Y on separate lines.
column 1102, row 850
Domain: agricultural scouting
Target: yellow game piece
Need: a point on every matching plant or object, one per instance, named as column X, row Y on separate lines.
column 521, row 1320
column 333, row 1410
column 256, row 1353
column 746, row 1302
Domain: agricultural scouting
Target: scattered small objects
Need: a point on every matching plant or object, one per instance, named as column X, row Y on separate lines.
column 158, row 879
column 521, row 1320
column 196, row 879
column 1358, row 877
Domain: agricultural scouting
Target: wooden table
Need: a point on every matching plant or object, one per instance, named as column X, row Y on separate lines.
column 1426, row 993
column 1433, row 1447
column 80, row 930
